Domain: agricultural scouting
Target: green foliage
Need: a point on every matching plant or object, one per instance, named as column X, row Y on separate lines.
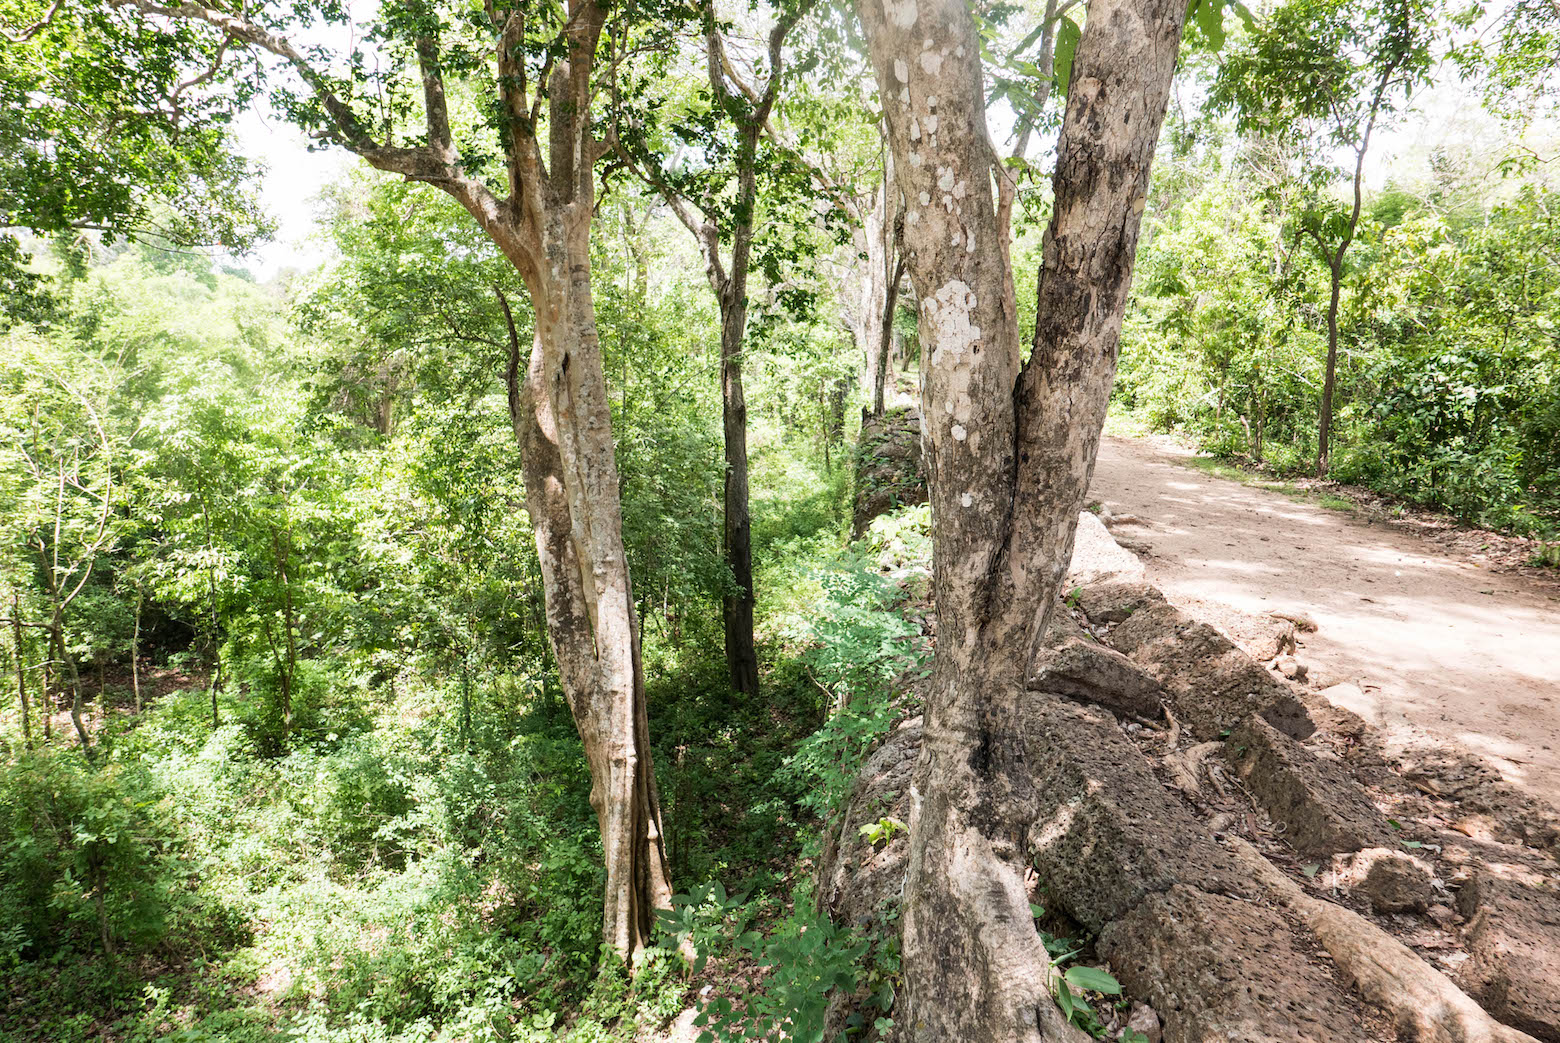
column 862, row 655
column 803, row 959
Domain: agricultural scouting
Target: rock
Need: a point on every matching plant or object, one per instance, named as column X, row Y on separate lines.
column 1291, row 667
column 1145, row 1022
column 855, row 879
column 1324, row 811
column 1085, row 669
column 1115, row 601
column 1261, row 637
column 888, row 466
column 1513, row 941
column 1108, row 833
column 1212, row 684
column 1391, row 881
column 1063, row 628
column 1098, row 558
column 1218, row 968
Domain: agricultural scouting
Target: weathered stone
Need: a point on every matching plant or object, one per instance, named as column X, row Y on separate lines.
column 888, row 466
column 1116, row 601
column 1107, row 832
column 855, row 879
column 1085, row 669
column 1291, row 667
column 1145, row 1023
column 1513, row 940
column 1391, row 881
column 1098, row 558
column 1261, row 637
column 1212, row 684
column 1217, row 968
column 1322, row 809
column 1062, row 628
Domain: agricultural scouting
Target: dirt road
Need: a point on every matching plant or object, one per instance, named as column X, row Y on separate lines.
column 1440, row 648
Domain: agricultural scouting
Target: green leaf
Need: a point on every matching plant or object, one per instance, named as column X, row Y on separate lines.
column 1067, row 36
column 1093, row 979
column 1210, row 19
column 1064, row 997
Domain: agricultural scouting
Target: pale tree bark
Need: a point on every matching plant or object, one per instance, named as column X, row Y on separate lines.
column 882, row 243
column 559, row 406
column 1010, row 450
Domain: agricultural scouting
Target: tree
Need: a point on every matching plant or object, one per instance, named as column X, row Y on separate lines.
column 1010, row 449
column 532, row 71
column 715, row 216
column 85, row 99
column 60, row 463
column 1332, row 74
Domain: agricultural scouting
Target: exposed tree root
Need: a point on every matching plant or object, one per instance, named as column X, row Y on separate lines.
column 1424, row 1003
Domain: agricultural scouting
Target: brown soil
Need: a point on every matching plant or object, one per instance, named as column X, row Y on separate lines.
column 1444, row 649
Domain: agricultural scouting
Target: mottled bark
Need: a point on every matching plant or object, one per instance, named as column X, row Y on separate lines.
column 1010, row 450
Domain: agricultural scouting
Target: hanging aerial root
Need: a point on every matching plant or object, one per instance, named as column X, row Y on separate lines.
column 1424, row 1004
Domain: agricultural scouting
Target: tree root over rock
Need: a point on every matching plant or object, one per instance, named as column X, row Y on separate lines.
column 1423, row 1002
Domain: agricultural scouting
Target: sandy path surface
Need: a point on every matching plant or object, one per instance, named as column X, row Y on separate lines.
column 1440, row 648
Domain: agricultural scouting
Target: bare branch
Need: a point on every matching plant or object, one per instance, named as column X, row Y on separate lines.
column 23, row 35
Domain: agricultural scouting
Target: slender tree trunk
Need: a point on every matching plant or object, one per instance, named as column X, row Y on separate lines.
column 20, row 646
column 135, row 652
column 45, row 705
column 1324, row 423
column 1010, row 451
column 886, row 337
column 558, row 403
column 737, row 537
column 57, row 636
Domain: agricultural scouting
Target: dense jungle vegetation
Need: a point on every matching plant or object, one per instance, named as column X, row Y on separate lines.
column 287, row 751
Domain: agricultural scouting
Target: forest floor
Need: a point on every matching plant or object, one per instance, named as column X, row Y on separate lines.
column 1443, row 637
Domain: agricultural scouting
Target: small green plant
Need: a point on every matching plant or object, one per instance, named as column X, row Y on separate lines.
column 1070, row 985
column 883, row 830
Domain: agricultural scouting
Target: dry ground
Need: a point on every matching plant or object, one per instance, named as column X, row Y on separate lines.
column 1440, row 646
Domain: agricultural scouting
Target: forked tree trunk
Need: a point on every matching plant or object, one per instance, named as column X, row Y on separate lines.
column 559, row 405
column 1010, row 452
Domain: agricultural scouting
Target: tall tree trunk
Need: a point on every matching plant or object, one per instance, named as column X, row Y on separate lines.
column 21, row 668
column 135, row 651
column 1324, row 422
column 1010, row 451
column 559, row 408
column 731, row 289
column 886, row 337
column 737, row 537
column 881, row 245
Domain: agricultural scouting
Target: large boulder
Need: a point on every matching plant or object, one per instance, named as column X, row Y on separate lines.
column 1217, row 969
column 1322, row 809
column 1108, row 833
column 1513, row 941
column 1098, row 558
column 1212, row 684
